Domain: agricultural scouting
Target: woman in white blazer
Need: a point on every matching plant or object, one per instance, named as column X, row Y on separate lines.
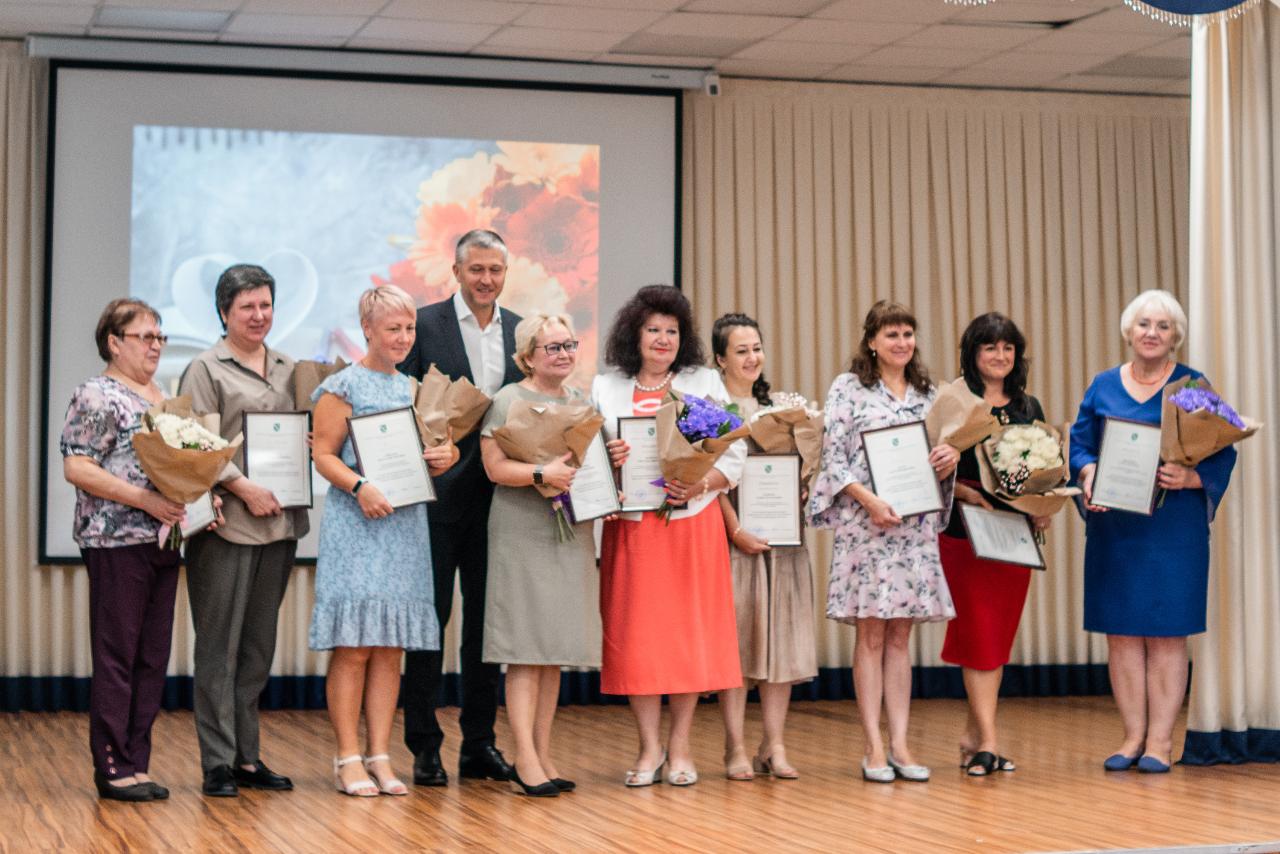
column 666, row 593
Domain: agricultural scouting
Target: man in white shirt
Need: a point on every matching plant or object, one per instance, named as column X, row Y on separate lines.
column 468, row 335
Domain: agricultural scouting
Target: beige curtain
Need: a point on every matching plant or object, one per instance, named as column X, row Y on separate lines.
column 804, row 203
column 1235, row 258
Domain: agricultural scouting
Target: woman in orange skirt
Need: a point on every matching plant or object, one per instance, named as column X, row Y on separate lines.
column 989, row 595
column 666, row 593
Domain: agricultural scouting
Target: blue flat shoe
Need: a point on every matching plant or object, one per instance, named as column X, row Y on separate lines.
column 1151, row 765
column 1120, row 762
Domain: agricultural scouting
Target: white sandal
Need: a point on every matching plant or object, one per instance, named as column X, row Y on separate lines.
column 365, row 788
column 393, row 786
column 639, row 779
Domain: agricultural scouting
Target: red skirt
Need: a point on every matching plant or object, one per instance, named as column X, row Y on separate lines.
column 666, row 606
column 989, row 597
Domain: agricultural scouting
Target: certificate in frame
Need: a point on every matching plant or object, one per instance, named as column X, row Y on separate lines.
column 199, row 515
column 636, row 477
column 273, row 460
column 898, row 461
column 593, row 493
column 768, row 498
column 388, row 451
column 1128, row 466
column 1001, row 535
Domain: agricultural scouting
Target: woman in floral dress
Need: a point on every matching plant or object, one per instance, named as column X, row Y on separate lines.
column 885, row 571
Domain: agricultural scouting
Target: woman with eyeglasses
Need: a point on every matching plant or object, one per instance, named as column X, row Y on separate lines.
column 132, row 580
column 541, row 609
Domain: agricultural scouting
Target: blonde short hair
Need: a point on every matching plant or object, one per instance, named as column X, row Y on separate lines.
column 383, row 299
column 527, row 332
column 1162, row 302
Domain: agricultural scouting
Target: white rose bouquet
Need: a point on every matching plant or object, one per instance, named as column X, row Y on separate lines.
column 1025, row 466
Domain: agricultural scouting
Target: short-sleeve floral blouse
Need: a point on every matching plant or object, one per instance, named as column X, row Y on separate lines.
column 101, row 420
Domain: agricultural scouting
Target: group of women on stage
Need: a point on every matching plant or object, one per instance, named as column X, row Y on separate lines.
column 685, row 607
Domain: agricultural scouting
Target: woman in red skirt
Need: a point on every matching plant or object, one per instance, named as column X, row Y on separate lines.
column 989, row 595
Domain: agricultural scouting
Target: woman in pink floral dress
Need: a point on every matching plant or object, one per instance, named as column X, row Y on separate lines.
column 885, row 571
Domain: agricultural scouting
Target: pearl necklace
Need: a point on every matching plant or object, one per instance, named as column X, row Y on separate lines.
column 659, row 387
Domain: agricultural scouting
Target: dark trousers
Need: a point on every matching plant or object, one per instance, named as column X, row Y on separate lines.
column 235, row 593
column 131, row 592
column 463, row 546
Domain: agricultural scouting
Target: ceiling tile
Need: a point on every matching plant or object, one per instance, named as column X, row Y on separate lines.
column 463, row 11
column 579, row 40
column 884, row 74
column 916, row 11
column 925, row 57
column 536, row 53
column 846, row 32
column 1015, row 63
column 971, row 37
column 657, row 45
column 659, row 5
column 1096, row 83
column 427, row 32
column 22, row 15
column 320, row 26
column 202, row 5
column 1025, row 11
column 754, row 68
column 1179, row 48
column 315, row 7
column 801, row 52
column 995, row 78
column 587, row 18
column 654, row 59
column 283, row 39
column 797, row 8
column 1165, row 67
column 1121, row 19
column 413, row 45
column 1179, row 87
column 1072, row 40
column 168, row 35
column 719, row 26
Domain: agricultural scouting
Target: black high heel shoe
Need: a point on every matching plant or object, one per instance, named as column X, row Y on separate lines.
column 543, row 790
column 132, row 792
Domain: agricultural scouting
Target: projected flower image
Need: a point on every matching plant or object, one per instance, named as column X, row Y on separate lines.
column 330, row 214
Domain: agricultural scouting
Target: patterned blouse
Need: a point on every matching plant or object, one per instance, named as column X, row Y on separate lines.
column 101, row 420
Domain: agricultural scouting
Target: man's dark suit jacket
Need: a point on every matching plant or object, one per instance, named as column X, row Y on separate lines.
column 465, row 488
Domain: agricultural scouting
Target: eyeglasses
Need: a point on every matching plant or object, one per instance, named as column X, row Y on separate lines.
column 554, row 349
column 147, row 338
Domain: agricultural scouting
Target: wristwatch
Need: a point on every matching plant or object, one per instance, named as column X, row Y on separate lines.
column 537, row 475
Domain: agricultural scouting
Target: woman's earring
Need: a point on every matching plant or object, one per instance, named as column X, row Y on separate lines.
column 873, row 354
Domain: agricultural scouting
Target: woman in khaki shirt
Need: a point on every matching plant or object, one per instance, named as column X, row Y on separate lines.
column 236, row 576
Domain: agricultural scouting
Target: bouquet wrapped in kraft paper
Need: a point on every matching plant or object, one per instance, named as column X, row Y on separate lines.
column 307, row 376
column 692, row 435
column 1196, row 423
column 540, row 433
column 1029, row 473
column 959, row 417
column 182, row 455
column 790, row 426
column 443, row 404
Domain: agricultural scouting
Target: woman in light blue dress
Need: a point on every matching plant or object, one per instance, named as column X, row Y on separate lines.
column 374, row 591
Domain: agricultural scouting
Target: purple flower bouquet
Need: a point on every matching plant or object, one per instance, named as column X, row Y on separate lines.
column 692, row 434
column 1196, row 423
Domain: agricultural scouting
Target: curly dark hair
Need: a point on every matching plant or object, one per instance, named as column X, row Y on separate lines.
column 622, row 350
column 720, row 332
column 866, row 368
column 991, row 328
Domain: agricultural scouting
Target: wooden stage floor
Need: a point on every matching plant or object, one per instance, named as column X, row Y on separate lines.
column 1058, row 800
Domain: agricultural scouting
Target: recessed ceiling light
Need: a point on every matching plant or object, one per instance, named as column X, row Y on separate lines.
column 190, row 20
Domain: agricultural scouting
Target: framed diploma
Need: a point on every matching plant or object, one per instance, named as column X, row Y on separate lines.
column 1128, row 464
column 200, row 515
column 769, row 498
column 389, row 454
column 898, row 459
column 1001, row 535
column 276, row 455
column 636, row 477
column 593, row 492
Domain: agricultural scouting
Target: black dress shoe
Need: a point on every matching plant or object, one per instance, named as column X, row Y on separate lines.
column 564, row 785
column 427, row 770
column 261, row 777
column 484, row 764
column 548, row 789
column 219, row 782
column 158, row 792
column 133, row 792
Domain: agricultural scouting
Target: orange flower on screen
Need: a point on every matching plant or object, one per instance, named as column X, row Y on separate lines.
column 539, row 162
column 562, row 234
column 585, row 182
column 439, row 227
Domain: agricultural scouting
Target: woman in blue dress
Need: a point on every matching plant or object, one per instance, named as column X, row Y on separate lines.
column 374, row 591
column 1146, row 577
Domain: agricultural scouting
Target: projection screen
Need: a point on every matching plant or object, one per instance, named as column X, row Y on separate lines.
column 161, row 178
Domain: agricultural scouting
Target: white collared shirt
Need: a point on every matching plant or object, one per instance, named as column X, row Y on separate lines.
column 483, row 346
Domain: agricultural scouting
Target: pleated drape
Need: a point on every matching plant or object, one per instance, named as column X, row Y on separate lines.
column 804, row 203
column 1235, row 258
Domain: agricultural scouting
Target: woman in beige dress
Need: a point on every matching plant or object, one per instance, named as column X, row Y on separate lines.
column 541, row 609
column 772, row 586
